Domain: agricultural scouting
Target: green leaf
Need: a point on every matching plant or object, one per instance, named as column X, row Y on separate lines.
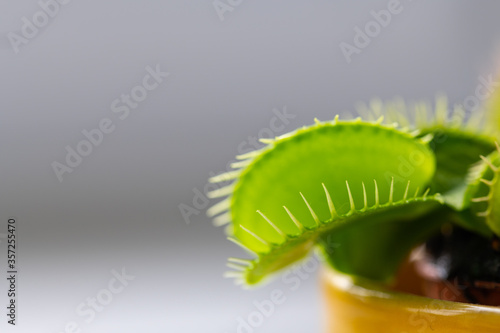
column 375, row 246
column 328, row 153
column 456, row 151
column 361, row 242
column 379, row 163
column 482, row 195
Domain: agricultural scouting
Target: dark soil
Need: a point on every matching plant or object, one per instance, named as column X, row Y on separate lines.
column 470, row 261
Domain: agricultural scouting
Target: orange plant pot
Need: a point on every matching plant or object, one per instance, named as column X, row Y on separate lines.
column 363, row 306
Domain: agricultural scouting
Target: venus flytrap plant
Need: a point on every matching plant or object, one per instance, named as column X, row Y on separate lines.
column 374, row 187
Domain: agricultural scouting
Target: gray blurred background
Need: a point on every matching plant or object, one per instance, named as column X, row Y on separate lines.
column 229, row 68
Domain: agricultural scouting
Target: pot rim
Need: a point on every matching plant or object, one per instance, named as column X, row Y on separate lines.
column 363, row 289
